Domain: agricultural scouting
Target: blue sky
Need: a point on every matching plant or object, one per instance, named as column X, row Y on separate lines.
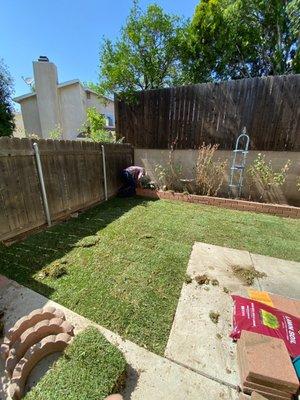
column 69, row 32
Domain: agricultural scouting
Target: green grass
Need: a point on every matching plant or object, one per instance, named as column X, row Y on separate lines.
column 129, row 278
column 91, row 368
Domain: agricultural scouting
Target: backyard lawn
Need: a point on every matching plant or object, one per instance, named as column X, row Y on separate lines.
column 122, row 263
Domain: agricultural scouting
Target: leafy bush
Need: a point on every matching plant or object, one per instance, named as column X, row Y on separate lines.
column 95, row 127
column 262, row 175
column 56, row 134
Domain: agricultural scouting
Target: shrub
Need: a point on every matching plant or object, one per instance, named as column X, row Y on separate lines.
column 56, row 134
column 261, row 175
column 210, row 173
column 95, row 127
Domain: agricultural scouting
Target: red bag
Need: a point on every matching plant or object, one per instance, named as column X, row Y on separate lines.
column 253, row 316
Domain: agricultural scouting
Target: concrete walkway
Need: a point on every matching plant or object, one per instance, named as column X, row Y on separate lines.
column 150, row 377
column 195, row 340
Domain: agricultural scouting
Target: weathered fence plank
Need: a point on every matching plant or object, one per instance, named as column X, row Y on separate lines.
column 21, row 207
column 269, row 107
column 73, row 176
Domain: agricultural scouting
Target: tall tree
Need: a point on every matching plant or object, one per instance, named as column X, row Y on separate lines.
column 146, row 54
column 230, row 39
column 6, row 110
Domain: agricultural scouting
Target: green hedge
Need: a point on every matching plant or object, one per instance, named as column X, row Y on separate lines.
column 91, row 368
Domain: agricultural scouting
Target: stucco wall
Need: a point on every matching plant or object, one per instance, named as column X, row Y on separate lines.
column 72, row 110
column 106, row 108
column 19, row 130
column 287, row 194
column 31, row 118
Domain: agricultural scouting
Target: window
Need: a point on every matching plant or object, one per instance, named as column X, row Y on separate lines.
column 110, row 121
column 88, row 95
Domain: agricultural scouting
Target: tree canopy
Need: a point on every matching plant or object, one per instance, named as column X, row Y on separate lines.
column 225, row 39
column 6, row 110
column 146, row 54
column 231, row 39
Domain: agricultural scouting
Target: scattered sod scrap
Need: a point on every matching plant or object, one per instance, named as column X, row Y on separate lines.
column 91, row 368
column 202, row 279
column 214, row 316
column 55, row 270
column 247, row 274
column 88, row 241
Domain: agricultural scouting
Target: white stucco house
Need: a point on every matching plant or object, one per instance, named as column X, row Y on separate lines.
column 60, row 106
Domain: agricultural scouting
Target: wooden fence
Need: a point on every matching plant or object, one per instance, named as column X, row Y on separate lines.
column 215, row 113
column 73, row 178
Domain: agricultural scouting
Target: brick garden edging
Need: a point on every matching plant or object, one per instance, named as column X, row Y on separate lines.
column 242, row 205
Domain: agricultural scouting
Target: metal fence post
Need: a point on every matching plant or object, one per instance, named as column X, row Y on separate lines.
column 104, row 171
column 42, row 182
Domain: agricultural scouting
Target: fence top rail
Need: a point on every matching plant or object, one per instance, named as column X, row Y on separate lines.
column 86, row 143
column 231, row 82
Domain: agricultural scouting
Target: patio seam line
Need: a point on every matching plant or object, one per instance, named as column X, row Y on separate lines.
column 257, row 278
column 204, row 374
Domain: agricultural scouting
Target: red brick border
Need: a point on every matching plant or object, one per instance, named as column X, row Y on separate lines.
column 242, row 205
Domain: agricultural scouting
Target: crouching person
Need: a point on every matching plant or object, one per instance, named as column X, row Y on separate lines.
column 130, row 177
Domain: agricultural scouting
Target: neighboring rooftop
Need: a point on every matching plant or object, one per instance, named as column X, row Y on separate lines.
column 60, row 85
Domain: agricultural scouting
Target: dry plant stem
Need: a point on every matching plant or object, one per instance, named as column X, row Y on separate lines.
column 209, row 174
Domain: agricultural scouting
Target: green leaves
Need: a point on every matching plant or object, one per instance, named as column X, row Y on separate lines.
column 226, row 39
column 7, row 124
column 145, row 56
column 233, row 39
column 263, row 171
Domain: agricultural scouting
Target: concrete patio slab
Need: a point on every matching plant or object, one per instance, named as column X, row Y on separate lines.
column 195, row 340
column 283, row 277
column 150, row 376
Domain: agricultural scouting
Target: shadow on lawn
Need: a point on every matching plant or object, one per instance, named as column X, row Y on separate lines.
column 22, row 260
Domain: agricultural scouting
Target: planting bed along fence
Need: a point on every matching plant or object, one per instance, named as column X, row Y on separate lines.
column 235, row 204
column 69, row 177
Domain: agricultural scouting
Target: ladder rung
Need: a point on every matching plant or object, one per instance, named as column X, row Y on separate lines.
column 240, row 151
column 238, row 167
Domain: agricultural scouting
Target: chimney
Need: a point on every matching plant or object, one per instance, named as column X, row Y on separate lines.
column 46, row 81
column 43, row 58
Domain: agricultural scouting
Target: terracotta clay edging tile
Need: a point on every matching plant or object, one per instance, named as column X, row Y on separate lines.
column 34, row 335
column 26, row 322
column 46, row 346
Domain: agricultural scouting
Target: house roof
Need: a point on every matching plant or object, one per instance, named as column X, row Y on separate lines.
column 60, row 85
